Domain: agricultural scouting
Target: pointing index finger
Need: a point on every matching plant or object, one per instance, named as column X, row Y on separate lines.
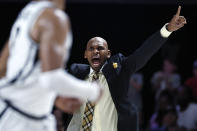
column 178, row 11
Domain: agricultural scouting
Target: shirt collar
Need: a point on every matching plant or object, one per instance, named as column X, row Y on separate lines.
column 91, row 70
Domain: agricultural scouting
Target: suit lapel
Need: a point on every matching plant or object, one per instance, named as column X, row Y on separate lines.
column 110, row 74
column 111, row 69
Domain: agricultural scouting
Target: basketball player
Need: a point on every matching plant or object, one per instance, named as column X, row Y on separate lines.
column 31, row 70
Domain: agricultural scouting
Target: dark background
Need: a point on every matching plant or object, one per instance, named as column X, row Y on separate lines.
column 119, row 1
column 125, row 25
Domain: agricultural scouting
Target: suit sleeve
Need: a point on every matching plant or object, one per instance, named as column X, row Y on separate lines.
column 140, row 57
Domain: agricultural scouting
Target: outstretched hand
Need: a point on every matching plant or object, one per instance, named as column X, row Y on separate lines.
column 177, row 21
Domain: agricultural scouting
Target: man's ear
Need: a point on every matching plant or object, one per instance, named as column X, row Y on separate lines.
column 85, row 56
column 109, row 54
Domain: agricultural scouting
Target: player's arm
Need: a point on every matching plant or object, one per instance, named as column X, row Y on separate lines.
column 3, row 60
column 153, row 43
column 53, row 28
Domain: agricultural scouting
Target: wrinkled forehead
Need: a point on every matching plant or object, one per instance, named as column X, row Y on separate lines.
column 97, row 41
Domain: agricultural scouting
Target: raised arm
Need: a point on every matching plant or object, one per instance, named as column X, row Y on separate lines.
column 153, row 43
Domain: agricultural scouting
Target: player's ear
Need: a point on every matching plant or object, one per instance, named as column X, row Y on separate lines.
column 109, row 54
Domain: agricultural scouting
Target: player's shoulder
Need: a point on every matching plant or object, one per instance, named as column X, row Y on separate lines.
column 54, row 15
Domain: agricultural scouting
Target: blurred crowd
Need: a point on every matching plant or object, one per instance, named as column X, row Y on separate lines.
column 175, row 101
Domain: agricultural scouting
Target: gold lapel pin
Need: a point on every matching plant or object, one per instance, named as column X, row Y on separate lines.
column 115, row 65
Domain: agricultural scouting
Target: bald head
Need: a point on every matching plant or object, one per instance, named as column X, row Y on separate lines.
column 97, row 40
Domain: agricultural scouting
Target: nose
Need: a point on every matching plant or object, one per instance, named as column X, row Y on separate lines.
column 95, row 51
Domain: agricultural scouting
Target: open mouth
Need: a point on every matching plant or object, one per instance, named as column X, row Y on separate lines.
column 96, row 61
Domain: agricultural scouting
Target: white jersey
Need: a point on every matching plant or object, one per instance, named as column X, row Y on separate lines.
column 19, row 86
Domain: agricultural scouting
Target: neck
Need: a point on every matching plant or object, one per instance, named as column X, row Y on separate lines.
column 95, row 70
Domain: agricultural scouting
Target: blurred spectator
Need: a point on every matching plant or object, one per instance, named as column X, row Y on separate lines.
column 192, row 82
column 176, row 128
column 134, row 94
column 165, row 114
column 136, row 84
column 187, row 116
column 167, row 78
column 166, row 119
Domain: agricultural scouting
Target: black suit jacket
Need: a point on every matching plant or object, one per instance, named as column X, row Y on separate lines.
column 118, row 78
